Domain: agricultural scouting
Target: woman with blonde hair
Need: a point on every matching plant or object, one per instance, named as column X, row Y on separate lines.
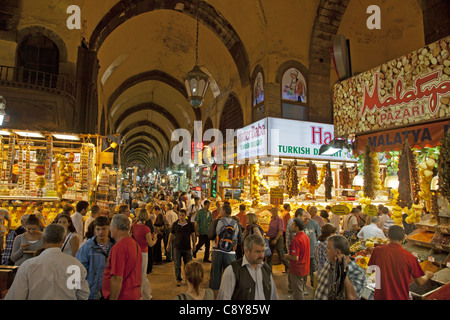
column 145, row 238
column 194, row 274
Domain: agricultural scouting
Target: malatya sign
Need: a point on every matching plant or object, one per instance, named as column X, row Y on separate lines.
column 406, row 91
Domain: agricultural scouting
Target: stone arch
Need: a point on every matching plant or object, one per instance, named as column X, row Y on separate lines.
column 232, row 116
column 326, row 25
column 23, row 33
column 207, row 15
column 156, row 75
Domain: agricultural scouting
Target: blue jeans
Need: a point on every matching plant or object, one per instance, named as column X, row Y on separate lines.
column 219, row 261
column 179, row 254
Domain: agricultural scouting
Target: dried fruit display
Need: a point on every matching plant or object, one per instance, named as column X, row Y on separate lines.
column 414, row 214
column 397, row 215
column 426, row 168
column 254, row 188
column 423, row 236
column 304, row 181
column 345, row 174
column 434, row 205
column 292, row 180
column 404, row 178
column 48, row 157
column 415, row 182
column 312, row 174
column 368, row 189
column 328, row 182
column 444, row 166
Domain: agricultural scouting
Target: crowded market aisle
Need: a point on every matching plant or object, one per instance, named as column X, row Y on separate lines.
column 164, row 287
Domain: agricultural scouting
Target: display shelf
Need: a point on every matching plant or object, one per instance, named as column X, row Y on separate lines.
column 45, row 199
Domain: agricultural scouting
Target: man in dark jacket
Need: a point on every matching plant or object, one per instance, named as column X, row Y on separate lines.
column 249, row 278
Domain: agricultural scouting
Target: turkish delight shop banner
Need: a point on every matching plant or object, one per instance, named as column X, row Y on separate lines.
column 406, row 91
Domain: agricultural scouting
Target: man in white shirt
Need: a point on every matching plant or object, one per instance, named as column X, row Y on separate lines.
column 371, row 230
column 193, row 208
column 171, row 218
column 95, row 212
column 53, row 275
column 335, row 220
column 77, row 218
column 235, row 279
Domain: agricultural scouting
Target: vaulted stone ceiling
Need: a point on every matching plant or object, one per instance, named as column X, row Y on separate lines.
column 145, row 48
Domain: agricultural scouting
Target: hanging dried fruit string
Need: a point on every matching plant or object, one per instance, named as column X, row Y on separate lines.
column 48, row 158
column 27, row 167
column 444, row 166
column 408, row 176
column 20, row 168
column 292, row 179
column 328, row 181
column 11, row 149
column 312, row 174
column 345, row 176
column 368, row 178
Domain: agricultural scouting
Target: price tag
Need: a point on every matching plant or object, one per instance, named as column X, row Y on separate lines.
column 431, row 259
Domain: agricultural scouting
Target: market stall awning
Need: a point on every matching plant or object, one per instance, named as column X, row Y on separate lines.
column 421, row 136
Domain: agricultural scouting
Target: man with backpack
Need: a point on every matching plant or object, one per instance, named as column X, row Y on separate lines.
column 226, row 233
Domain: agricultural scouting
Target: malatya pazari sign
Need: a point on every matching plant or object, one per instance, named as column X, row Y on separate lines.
column 406, row 91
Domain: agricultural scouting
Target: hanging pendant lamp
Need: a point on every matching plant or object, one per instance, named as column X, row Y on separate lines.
column 196, row 81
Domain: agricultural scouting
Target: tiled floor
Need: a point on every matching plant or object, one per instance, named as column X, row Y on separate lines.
column 162, row 281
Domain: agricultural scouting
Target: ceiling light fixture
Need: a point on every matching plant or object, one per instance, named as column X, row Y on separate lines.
column 196, row 81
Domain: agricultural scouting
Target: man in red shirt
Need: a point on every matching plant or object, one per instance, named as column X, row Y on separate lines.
column 122, row 276
column 299, row 258
column 396, row 266
column 241, row 215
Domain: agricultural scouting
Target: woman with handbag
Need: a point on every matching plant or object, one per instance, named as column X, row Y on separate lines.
column 160, row 229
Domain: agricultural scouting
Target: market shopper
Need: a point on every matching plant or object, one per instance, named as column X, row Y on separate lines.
column 145, row 238
column 160, row 231
column 38, row 212
column 252, row 226
column 313, row 231
column 123, row 271
column 203, row 220
column 77, row 218
column 371, row 230
column 350, row 225
column 26, row 244
column 193, row 209
column 299, row 257
column 275, row 234
column 183, row 234
column 72, row 241
column 320, row 252
column 341, row 278
column 4, row 217
column 249, row 278
column 95, row 212
column 314, row 216
column 335, row 220
column 171, row 216
column 216, row 213
column 195, row 274
column 6, row 258
column 241, row 215
column 396, row 267
column 45, row 277
column 222, row 255
column 93, row 254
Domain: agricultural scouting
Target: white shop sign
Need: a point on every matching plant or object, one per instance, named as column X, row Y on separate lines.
column 286, row 138
column 301, row 139
column 252, row 140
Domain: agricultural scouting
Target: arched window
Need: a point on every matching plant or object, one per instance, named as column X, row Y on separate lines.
column 38, row 61
column 294, row 91
column 258, row 111
column 232, row 115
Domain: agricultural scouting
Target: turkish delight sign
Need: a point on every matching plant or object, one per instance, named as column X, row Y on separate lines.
column 409, row 90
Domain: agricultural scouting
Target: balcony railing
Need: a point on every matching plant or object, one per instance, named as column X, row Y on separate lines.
column 32, row 79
